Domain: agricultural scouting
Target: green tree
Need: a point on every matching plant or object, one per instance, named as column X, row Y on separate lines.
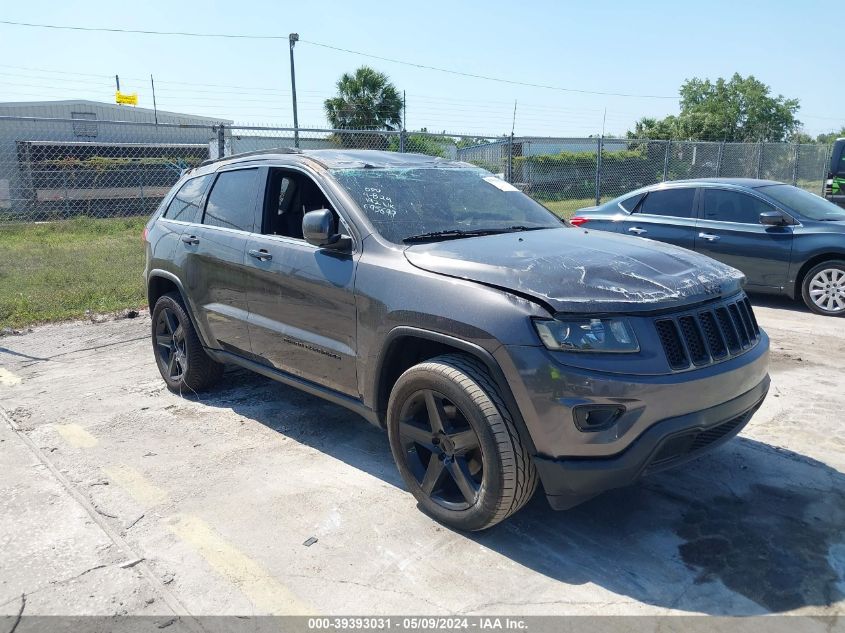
column 801, row 137
column 740, row 109
column 829, row 137
column 366, row 100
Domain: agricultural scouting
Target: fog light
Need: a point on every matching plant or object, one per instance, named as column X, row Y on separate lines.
column 596, row 417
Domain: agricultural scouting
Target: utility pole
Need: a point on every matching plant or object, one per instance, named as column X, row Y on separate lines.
column 510, row 145
column 155, row 109
column 293, row 38
column 403, row 131
column 117, row 83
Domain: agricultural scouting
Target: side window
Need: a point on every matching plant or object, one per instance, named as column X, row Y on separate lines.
column 842, row 160
column 185, row 205
column 231, row 203
column 676, row 203
column 630, row 203
column 290, row 195
column 733, row 206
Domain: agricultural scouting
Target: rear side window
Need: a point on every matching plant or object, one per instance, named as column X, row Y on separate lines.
column 676, row 203
column 733, row 206
column 231, row 203
column 185, row 205
column 630, row 203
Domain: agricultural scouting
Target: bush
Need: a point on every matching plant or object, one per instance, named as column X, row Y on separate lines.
column 556, row 176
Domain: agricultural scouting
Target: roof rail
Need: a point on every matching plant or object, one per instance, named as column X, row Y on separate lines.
column 274, row 150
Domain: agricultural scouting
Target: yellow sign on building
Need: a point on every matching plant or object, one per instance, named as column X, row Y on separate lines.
column 126, row 99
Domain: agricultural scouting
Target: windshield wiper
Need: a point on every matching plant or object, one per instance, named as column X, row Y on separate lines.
column 453, row 234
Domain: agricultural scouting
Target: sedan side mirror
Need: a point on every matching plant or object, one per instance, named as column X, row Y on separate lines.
column 320, row 229
column 773, row 218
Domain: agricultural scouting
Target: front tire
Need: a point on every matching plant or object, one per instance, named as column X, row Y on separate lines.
column 823, row 288
column 455, row 444
column 183, row 363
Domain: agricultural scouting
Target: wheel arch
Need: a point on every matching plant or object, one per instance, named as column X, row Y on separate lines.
column 159, row 283
column 405, row 346
column 809, row 264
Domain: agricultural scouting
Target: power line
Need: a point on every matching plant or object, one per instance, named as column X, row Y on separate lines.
column 64, row 27
column 335, row 48
column 487, row 77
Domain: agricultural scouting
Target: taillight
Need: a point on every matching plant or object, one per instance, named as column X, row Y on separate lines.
column 578, row 220
column 144, row 235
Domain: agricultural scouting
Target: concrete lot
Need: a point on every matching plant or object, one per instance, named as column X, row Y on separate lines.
column 119, row 497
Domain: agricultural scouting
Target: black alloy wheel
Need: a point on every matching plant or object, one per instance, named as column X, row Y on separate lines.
column 171, row 346
column 180, row 356
column 441, row 450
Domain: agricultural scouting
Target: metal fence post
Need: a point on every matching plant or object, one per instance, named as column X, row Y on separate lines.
column 666, row 161
column 759, row 158
column 510, row 159
column 67, row 195
column 599, row 144
column 826, row 167
column 402, row 141
column 221, row 141
column 141, row 185
column 795, row 158
column 719, row 159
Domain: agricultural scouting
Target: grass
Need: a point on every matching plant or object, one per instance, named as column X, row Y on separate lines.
column 567, row 208
column 58, row 270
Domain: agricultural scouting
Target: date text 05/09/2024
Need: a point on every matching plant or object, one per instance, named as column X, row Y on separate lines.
column 416, row 623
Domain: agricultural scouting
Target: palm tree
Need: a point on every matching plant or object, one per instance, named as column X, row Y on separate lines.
column 365, row 101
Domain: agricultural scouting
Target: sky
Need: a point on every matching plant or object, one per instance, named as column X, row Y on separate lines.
column 634, row 48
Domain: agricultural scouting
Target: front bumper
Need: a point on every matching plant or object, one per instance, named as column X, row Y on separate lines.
column 667, row 418
column 570, row 481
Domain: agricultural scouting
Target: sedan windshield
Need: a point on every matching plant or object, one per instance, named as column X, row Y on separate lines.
column 804, row 203
column 430, row 203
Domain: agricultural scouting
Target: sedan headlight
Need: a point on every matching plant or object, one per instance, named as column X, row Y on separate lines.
column 587, row 335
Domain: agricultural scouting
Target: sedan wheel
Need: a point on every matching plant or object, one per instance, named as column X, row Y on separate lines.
column 827, row 289
column 823, row 288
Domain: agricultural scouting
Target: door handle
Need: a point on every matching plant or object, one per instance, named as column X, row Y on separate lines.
column 709, row 237
column 190, row 239
column 261, row 254
column 637, row 230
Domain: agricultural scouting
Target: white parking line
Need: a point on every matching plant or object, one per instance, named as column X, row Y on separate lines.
column 76, row 436
column 8, row 379
column 131, row 480
column 262, row 589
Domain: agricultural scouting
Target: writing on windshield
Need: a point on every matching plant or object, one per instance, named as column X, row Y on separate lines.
column 404, row 202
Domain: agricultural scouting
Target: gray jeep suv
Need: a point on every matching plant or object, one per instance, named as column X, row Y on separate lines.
column 497, row 345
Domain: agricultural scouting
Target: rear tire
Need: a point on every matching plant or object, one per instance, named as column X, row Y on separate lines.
column 183, row 363
column 823, row 288
column 455, row 444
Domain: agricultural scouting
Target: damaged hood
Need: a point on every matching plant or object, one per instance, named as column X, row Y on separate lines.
column 574, row 270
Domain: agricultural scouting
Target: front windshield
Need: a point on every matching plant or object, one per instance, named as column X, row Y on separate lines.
column 406, row 202
column 803, row 202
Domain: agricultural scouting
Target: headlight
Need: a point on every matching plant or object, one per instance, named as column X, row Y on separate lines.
column 587, row 335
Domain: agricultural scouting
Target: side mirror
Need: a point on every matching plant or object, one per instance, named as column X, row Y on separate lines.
column 319, row 228
column 773, row 218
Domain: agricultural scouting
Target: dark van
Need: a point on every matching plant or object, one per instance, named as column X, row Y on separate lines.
column 834, row 187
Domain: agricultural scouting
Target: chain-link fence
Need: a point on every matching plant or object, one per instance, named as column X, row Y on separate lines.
column 62, row 168
column 103, row 178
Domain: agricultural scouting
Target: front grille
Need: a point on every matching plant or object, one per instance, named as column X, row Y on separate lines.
column 708, row 335
column 686, row 444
